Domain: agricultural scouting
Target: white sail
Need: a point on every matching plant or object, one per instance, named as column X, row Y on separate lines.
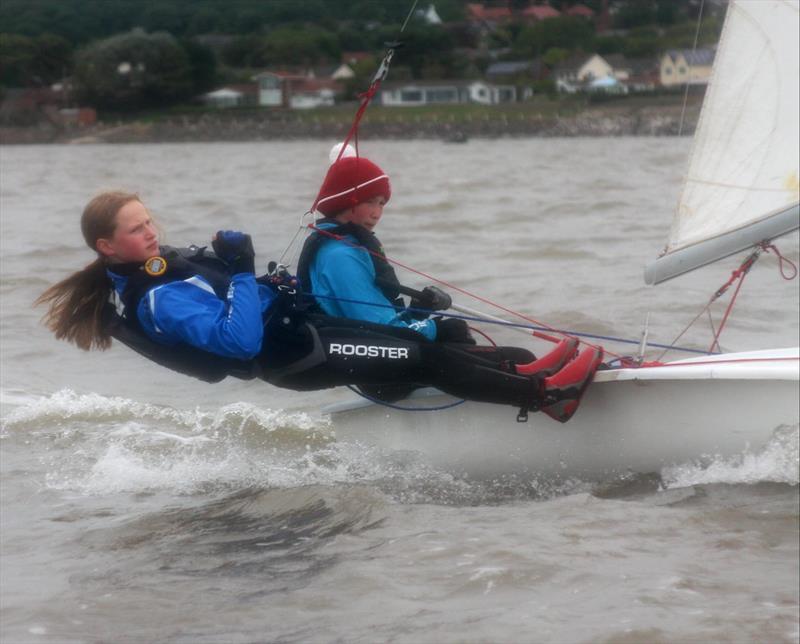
column 742, row 182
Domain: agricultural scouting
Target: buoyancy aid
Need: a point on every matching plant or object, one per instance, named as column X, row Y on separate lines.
column 385, row 277
column 123, row 321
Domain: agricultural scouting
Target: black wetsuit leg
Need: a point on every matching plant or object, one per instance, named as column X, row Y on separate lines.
column 318, row 352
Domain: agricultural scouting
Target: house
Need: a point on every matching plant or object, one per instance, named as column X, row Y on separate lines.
column 295, row 91
column 430, row 16
column 686, row 67
column 343, row 72
column 312, row 92
column 595, row 67
column 643, row 74
column 414, row 93
column 581, row 73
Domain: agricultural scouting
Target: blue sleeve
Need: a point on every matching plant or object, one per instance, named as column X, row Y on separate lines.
column 189, row 311
column 348, row 273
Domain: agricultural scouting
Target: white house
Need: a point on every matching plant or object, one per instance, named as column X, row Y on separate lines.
column 343, row 72
column 439, row 92
column 578, row 74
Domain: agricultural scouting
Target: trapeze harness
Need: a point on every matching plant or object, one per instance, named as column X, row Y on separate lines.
column 181, row 264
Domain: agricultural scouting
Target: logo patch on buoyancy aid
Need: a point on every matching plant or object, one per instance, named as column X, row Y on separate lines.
column 155, row 266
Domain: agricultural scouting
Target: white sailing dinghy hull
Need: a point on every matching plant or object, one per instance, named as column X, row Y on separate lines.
column 637, row 420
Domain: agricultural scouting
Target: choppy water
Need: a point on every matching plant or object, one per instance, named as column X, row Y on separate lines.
column 140, row 506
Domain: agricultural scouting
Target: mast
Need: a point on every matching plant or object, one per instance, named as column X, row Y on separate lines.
column 742, row 185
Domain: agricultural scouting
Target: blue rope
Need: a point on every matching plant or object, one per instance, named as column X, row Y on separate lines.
column 609, row 338
column 378, row 401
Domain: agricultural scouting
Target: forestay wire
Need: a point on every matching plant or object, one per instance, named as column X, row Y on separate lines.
column 352, row 134
column 694, row 49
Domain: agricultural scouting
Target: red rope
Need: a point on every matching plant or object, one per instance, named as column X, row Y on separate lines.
column 485, row 335
column 781, row 259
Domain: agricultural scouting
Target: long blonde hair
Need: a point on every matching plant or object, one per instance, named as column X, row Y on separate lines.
column 78, row 303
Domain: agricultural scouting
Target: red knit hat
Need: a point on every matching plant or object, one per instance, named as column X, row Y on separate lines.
column 349, row 182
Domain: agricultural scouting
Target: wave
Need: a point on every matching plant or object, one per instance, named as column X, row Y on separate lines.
column 777, row 462
column 99, row 445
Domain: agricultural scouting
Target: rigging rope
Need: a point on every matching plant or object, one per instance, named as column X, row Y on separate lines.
column 694, row 49
column 384, row 403
column 516, row 325
column 736, row 275
column 538, row 325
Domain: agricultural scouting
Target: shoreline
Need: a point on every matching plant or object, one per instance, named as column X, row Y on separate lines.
column 620, row 118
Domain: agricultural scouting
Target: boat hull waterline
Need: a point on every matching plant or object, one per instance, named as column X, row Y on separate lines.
column 631, row 420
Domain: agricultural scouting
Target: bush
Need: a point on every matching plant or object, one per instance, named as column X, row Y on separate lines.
column 133, row 71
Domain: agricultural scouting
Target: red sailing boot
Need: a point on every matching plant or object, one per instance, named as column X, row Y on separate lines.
column 552, row 362
column 566, row 387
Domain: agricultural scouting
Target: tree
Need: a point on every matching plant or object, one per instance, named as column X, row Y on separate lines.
column 565, row 32
column 132, row 71
column 203, row 64
column 295, row 46
column 16, row 59
column 28, row 62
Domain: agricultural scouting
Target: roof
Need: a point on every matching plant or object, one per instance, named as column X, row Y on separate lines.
column 281, row 74
column 480, row 12
column 509, row 68
column 571, row 64
column 433, row 83
column 223, row 92
column 541, row 12
column 694, row 57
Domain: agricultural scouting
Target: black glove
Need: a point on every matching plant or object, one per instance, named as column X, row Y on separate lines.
column 280, row 280
column 452, row 330
column 236, row 249
column 432, row 298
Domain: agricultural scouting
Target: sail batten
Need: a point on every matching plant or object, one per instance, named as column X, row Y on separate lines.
column 743, row 168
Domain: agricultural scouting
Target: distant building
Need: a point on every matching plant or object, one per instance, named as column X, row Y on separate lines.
column 511, row 69
column 413, row 93
column 312, row 92
column 429, row 15
column 582, row 73
column 295, row 91
column 343, row 72
column 686, row 66
column 232, row 96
